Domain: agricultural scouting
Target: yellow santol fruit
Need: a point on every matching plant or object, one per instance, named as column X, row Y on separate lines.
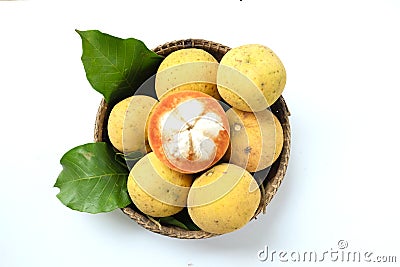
column 187, row 69
column 256, row 139
column 155, row 189
column 251, row 77
column 127, row 124
column 223, row 199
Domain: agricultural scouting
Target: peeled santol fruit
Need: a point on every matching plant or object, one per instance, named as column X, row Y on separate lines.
column 127, row 124
column 251, row 77
column 155, row 189
column 188, row 131
column 256, row 139
column 187, row 69
column 223, row 199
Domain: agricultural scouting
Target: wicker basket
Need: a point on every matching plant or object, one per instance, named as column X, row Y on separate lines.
column 275, row 173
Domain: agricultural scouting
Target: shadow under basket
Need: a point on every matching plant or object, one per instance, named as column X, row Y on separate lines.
column 270, row 183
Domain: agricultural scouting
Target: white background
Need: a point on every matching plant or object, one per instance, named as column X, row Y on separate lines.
column 342, row 61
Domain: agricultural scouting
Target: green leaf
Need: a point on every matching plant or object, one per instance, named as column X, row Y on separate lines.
column 181, row 219
column 183, row 216
column 92, row 180
column 116, row 67
column 172, row 221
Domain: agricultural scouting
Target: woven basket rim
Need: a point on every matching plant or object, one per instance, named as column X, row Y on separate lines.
column 279, row 108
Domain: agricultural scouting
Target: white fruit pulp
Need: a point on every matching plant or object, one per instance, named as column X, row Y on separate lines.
column 189, row 131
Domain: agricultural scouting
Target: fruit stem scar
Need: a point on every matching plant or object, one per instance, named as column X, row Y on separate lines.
column 247, row 150
column 209, row 173
column 237, row 127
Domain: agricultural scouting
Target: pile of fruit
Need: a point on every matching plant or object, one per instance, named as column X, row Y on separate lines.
column 186, row 153
column 207, row 131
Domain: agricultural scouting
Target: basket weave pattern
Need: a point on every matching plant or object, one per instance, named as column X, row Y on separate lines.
column 275, row 175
